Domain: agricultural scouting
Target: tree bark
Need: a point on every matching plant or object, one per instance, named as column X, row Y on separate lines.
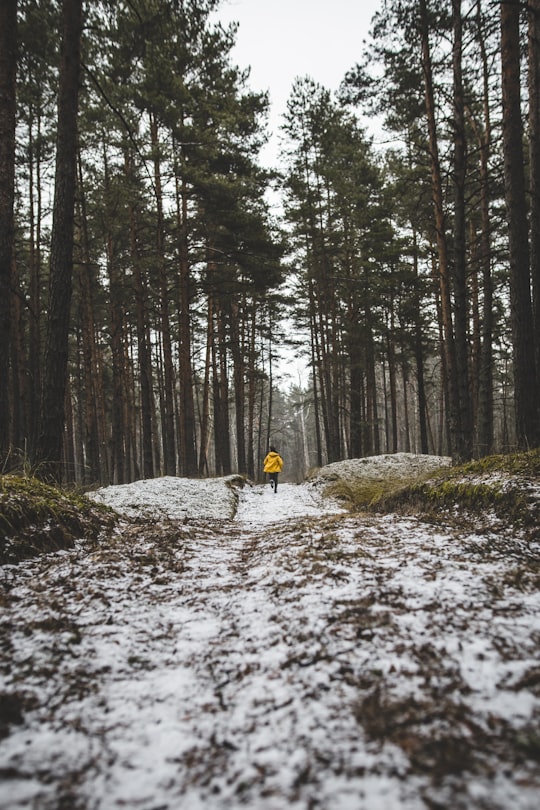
column 525, row 386
column 187, row 443
column 61, row 261
column 143, row 341
column 90, row 368
column 485, row 370
column 460, row 260
column 534, row 153
column 8, row 72
column 167, row 416
column 442, row 247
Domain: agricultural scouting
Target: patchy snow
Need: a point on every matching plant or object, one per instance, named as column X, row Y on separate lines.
column 293, row 656
column 171, row 498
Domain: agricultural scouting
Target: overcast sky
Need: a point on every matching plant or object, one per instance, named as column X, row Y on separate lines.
column 283, row 39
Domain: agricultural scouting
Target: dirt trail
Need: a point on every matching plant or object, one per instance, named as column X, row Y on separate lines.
column 273, row 661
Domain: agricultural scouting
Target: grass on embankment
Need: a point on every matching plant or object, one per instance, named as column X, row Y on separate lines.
column 37, row 518
column 506, row 486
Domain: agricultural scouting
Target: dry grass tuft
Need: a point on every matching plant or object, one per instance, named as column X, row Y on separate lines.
column 365, row 493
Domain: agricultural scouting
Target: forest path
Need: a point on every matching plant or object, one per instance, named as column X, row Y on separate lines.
column 287, row 658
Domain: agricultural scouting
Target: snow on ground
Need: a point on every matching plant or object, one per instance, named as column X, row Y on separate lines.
column 259, row 506
column 293, row 657
column 171, row 498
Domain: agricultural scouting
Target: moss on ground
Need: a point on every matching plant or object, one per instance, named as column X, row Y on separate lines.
column 366, row 492
column 36, row 517
column 506, row 485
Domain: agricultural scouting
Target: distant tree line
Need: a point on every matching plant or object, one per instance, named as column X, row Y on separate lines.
column 420, row 262
column 145, row 281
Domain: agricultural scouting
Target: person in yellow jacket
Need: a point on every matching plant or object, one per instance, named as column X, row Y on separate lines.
column 273, row 464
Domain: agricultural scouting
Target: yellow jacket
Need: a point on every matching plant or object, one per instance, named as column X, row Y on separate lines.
column 273, row 463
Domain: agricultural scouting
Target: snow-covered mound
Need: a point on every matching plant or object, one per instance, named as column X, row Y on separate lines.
column 171, row 498
column 390, row 465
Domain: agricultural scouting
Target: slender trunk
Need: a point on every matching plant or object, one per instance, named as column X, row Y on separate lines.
column 167, row 416
column 19, row 401
column 270, row 385
column 356, row 372
column 88, row 349
column 442, row 248
column 221, row 396
column 419, row 352
column 392, row 372
column 316, row 404
column 405, row 382
column 35, row 270
column 460, row 262
column 533, row 7
column 372, row 440
column 485, row 360
column 252, row 392
column 143, row 339
column 118, row 431
column 8, row 69
column 525, row 386
column 205, row 416
column 61, row 261
column 187, row 442
column 239, row 377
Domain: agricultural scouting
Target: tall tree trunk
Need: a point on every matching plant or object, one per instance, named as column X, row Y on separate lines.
column 251, row 394
column 143, row 340
column 187, row 443
column 316, row 397
column 485, row 370
column 372, row 439
column 19, row 401
column 221, row 394
column 205, row 415
column 356, row 372
column 8, row 72
column 167, row 416
column 88, row 394
column 419, row 353
column 49, row 452
column 119, row 436
column 270, row 413
column 239, row 377
column 460, row 262
column 35, row 270
column 533, row 7
column 392, row 375
column 442, row 248
column 525, row 385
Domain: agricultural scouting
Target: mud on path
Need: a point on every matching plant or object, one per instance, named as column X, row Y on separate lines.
column 277, row 660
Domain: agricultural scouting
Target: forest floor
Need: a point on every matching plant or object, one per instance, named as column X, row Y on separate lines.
column 291, row 656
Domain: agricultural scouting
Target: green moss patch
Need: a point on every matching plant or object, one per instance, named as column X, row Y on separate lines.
column 37, row 518
column 363, row 493
column 508, row 486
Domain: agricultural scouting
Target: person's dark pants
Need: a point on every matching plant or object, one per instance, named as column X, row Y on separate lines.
column 273, row 481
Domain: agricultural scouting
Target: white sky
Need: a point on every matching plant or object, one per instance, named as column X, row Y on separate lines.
column 283, row 39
